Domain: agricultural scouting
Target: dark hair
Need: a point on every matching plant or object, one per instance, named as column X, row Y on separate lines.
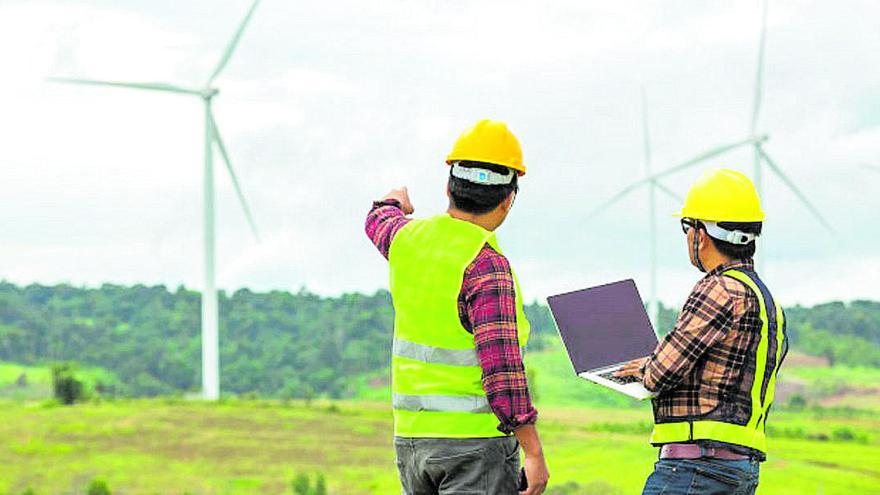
column 738, row 251
column 477, row 198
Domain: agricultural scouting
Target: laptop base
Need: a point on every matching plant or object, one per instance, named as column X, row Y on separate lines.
column 635, row 389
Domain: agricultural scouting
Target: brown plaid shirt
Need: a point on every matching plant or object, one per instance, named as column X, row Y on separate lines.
column 705, row 366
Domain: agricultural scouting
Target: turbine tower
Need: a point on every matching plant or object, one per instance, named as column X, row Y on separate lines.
column 755, row 140
column 210, row 314
column 653, row 186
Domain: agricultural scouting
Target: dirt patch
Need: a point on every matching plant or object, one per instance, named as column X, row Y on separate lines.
column 797, row 359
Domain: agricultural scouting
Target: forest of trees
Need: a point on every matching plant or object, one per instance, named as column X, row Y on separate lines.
column 279, row 344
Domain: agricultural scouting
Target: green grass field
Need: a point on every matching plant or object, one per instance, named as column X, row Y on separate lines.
column 241, row 447
column 593, row 437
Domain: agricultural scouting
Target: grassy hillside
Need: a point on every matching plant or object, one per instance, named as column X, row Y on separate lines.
column 803, row 381
column 175, row 447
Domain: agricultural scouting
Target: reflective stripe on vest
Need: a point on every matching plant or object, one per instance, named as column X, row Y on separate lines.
column 752, row 434
column 441, row 403
column 437, row 355
column 436, row 375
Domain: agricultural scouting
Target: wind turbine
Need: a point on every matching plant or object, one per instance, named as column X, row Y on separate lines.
column 653, row 186
column 754, row 139
column 210, row 315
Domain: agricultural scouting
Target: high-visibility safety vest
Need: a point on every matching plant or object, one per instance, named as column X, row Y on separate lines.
column 436, row 377
column 768, row 357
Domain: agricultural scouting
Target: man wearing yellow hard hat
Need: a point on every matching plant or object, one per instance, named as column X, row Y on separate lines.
column 460, row 398
column 715, row 373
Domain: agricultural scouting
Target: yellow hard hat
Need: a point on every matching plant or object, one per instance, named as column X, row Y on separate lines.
column 488, row 141
column 723, row 195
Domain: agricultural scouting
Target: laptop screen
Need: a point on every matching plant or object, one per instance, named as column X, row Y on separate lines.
column 602, row 326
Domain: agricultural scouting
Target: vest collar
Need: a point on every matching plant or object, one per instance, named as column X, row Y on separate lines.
column 742, row 264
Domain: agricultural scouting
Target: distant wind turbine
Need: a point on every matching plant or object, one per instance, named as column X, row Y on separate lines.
column 762, row 158
column 653, row 186
column 210, row 315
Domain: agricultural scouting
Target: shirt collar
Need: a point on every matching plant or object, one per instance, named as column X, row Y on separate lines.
column 747, row 264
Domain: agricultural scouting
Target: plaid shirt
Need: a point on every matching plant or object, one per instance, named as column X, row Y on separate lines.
column 487, row 309
column 705, row 367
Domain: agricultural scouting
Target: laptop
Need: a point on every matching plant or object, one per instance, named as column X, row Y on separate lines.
column 604, row 328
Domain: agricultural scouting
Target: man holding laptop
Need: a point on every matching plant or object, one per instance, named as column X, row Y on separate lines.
column 715, row 373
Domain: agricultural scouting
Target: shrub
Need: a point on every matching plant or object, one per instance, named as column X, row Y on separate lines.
column 797, row 402
column 320, row 485
column 68, row 389
column 98, row 487
column 302, row 486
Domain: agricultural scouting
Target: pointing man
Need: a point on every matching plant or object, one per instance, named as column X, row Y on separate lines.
column 460, row 398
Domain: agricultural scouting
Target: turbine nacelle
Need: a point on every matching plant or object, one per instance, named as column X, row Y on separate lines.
column 208, row 93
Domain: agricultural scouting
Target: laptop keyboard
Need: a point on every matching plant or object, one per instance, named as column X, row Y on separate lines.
column 623, row 380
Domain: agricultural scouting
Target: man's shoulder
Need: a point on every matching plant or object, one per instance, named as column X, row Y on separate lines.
column 723, row 286
column 489, row 261
column 719, row 290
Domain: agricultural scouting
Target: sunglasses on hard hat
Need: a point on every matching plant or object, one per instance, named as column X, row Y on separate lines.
column 687, row 224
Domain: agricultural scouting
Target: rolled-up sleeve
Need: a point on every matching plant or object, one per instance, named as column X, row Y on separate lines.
column 489, row 296
column 384, row 220
column 704, row 320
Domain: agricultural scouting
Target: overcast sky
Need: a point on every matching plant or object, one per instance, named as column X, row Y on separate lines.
column 327, row 105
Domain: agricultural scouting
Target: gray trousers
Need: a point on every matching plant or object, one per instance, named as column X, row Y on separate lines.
column 459, row 466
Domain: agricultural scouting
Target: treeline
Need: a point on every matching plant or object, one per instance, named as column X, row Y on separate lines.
column 844, row 333
column 285, row 345
column 274, row 344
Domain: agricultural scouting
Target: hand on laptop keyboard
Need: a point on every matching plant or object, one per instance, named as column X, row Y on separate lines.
column 623, row 380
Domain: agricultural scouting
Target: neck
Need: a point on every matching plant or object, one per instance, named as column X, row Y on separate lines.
column 486, row 220
column 713, row 260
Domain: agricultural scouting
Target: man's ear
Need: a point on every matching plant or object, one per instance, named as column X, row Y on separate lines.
column 507, row 204
column 704, row 239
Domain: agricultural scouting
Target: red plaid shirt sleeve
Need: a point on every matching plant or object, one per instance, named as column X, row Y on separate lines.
column 383, row 221
column 487, row 307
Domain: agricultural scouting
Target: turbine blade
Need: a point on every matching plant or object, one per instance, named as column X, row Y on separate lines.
column 706, row 155
column 669, row 192
column 617, row 197
column 801, row 196
column 759, row 77
column 682, row 166
column 169, row 88
column 244, row 205
column 230, row 48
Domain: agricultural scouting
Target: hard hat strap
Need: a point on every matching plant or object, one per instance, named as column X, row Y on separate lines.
column 732, row 236
column 480, row 175
column 696, row 246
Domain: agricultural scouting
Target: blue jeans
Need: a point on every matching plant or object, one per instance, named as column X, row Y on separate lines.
column 704, row 476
